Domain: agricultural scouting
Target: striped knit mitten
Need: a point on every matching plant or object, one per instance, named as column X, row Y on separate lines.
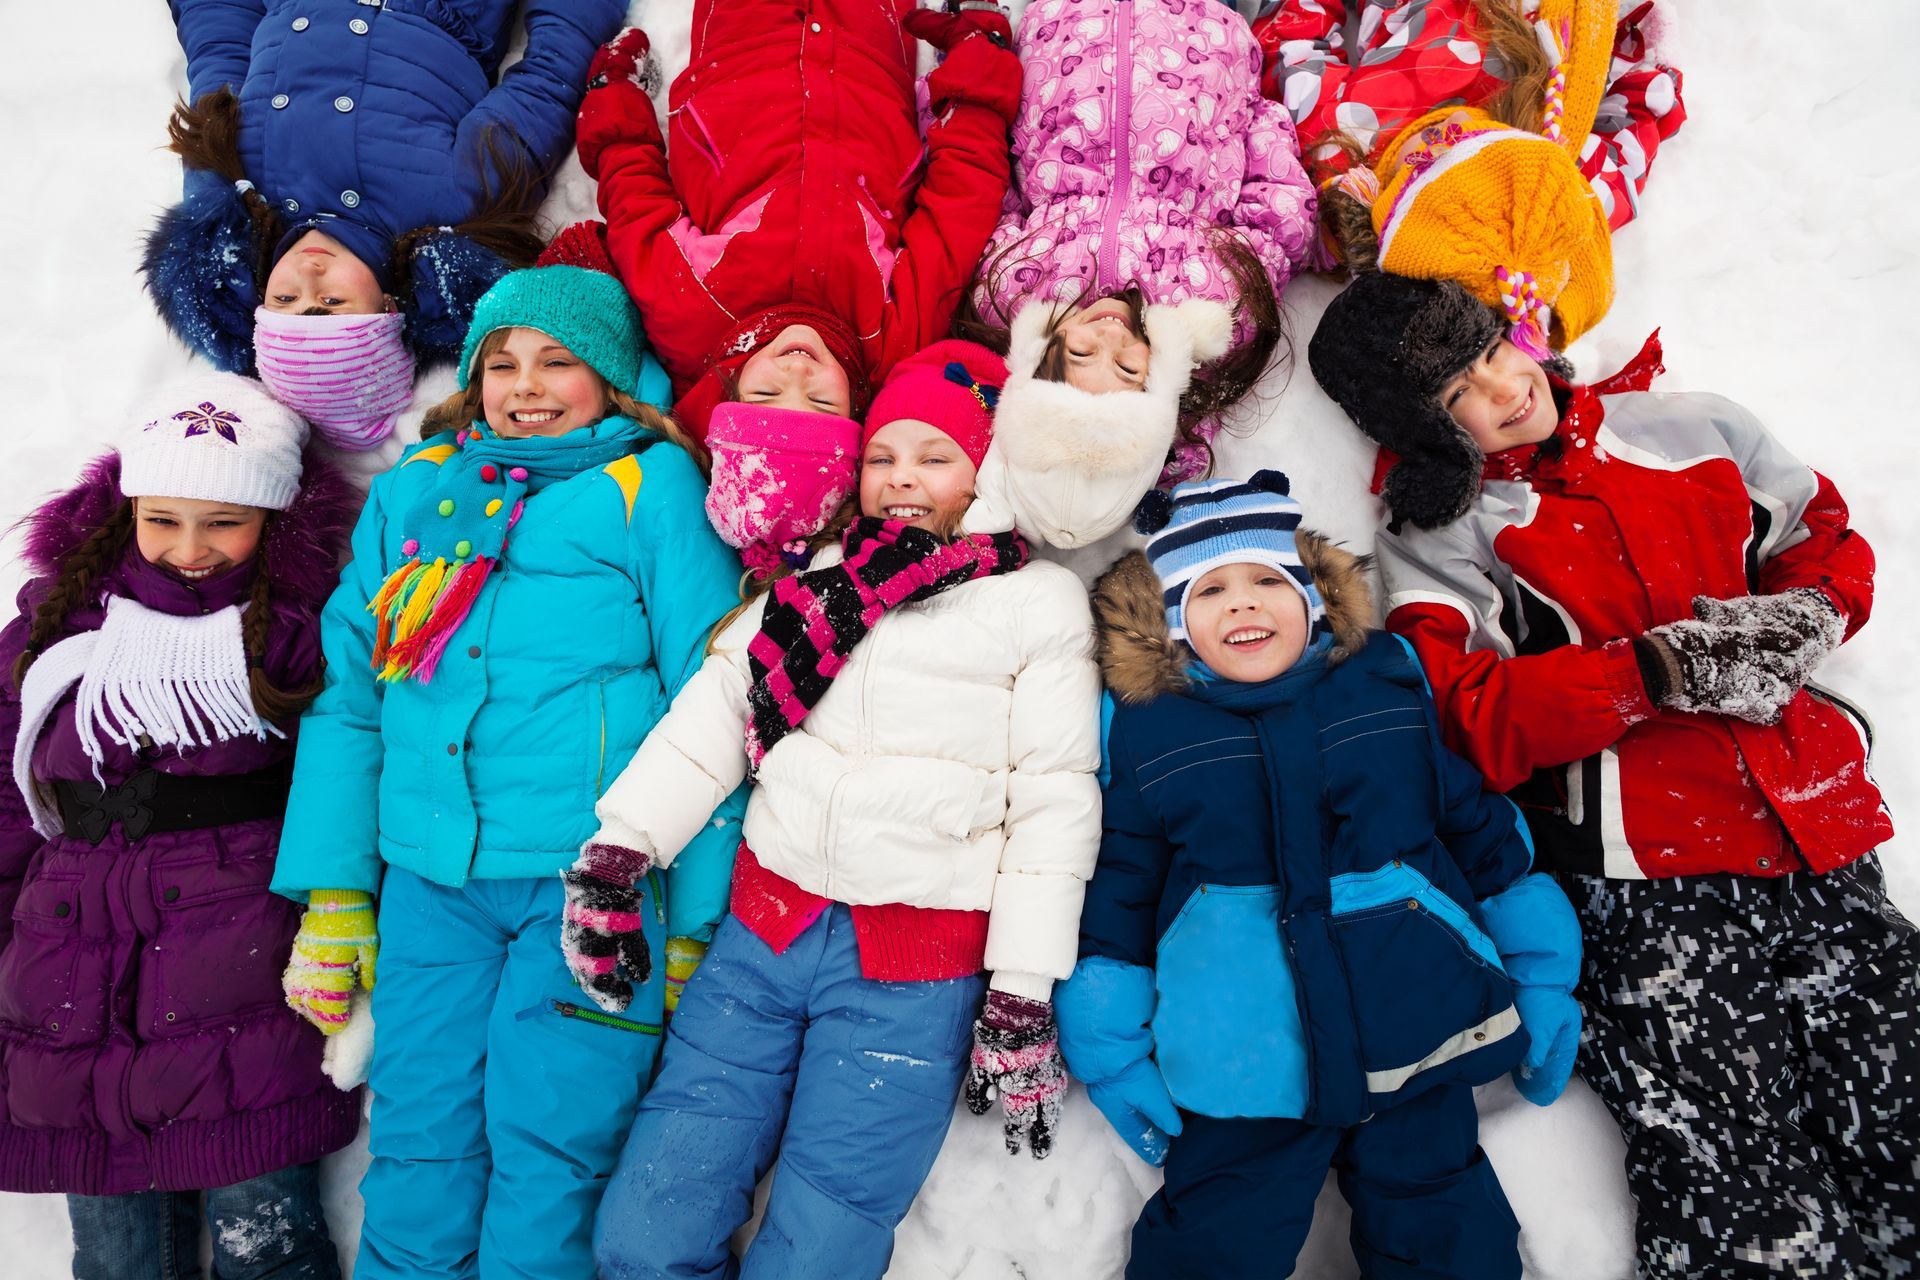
column 1016, row 1054
column 336, row 947
column 683, row 957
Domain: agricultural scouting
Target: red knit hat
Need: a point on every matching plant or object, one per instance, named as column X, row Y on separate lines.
column 695, row 407
column 952, row 385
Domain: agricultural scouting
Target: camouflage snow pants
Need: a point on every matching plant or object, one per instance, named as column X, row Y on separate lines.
column 1758, row 1042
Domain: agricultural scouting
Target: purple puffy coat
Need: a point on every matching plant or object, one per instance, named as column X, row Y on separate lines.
column 144, row 1041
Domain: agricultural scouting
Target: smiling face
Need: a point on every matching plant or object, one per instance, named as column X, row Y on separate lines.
column 1502, row 400
column 1248, row 622
column 1100, row 348
column 796, row 371
column 319, row 274
column 917, row 473
column 531, row 385
column 193, row 538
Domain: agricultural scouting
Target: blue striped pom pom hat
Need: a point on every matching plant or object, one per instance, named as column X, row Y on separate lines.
column 1204, row 524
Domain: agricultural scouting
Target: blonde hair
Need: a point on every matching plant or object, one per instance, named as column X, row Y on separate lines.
column 463, row 407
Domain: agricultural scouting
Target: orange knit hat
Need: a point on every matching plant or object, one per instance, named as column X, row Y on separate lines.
column 1503, row 212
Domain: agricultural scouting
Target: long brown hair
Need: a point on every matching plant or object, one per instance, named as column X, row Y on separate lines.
column 1216, row 386
column 78, row 578
column 1512, row 51
column 463, row 407
column 206, row 136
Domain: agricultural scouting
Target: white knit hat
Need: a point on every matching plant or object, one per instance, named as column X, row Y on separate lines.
column 217, row 437
column 1068, row 466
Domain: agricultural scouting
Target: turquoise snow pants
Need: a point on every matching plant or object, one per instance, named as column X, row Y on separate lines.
column 501, row 1094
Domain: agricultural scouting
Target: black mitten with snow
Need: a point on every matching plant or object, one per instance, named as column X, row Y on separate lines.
column 1744, row 657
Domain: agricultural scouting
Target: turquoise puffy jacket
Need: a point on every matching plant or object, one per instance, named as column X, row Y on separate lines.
column 598, row 612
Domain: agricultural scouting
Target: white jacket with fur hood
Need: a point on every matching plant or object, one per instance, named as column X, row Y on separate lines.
column 951, row 764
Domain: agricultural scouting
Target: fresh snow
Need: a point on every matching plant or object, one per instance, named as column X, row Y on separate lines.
column 1777, row 255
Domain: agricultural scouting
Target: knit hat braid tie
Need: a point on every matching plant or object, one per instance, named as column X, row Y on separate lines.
column 1555, row 39
column 1360, row 182
column 1525, row 310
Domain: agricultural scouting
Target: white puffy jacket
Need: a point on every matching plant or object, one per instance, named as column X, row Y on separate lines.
column 951, row 764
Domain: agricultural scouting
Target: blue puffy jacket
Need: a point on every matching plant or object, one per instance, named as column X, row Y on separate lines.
column 598, row 612
column 1284, row 912
column 368, row 120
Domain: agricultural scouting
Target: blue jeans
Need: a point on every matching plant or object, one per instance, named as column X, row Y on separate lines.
column 861, row 1077
column 270, row 1226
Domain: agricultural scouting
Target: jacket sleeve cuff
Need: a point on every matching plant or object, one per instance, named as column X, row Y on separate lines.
column 1621, row 667
column 1028, row 986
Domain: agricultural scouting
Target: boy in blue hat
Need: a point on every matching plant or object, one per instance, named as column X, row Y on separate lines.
column 1311, row 931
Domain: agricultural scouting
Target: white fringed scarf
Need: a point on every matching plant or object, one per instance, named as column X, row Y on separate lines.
column 144, row 677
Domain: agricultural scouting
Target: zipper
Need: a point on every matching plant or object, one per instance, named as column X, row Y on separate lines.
column 1116, row 141
column 659, row 883
column 599, row 1019
column 600, row 765
column 826, row 836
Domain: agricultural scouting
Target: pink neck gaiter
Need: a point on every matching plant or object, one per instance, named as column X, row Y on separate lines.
column 350, row 376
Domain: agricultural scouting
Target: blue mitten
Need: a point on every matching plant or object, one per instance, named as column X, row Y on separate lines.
column 1104, row 1012
column 1538, row 937
column 1136, row 1103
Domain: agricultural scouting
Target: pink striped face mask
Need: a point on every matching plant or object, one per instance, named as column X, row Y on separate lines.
column 350, row 376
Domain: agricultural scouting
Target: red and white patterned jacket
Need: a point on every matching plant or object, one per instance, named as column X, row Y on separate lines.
column 1407, row 57
column 1522, row 612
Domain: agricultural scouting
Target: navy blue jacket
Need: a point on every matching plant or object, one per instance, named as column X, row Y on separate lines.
column 368, row 119
column 1297, row 863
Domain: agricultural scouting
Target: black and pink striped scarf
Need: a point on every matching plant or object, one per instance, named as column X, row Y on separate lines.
column 815, row 619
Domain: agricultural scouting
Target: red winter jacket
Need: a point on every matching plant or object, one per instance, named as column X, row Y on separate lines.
column 1522, row 612
column 795, row 175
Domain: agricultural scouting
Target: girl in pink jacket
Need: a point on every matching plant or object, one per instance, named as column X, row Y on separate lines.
column 1147, row 168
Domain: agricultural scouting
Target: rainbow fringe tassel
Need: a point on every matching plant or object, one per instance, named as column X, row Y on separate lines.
column 417, row 610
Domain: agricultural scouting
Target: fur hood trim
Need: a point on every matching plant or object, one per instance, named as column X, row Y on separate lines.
column 304, row 546
column 1140, row 660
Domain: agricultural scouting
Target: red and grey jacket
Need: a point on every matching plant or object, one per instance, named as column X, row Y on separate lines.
column 1522, row 612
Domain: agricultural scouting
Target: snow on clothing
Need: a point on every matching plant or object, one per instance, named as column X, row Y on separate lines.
column 1522, row 611
column 1414, row 55
column 1122, row 181
column 1425, row 1200
column 947, row 771
column 474, row 789
column 501, row 1095
column 792, row 175
column 266, row 1228
column 144, row 1042
column 1273, row 868
column 1754, row 1040
column 791, row 1052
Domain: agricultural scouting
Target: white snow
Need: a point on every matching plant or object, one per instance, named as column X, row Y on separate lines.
column 1777, row 253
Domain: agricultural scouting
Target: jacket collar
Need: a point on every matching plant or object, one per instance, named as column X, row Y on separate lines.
column 164, row 591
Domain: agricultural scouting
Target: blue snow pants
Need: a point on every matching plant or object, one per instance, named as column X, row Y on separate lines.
column 1239, row 1195
column 860, row 1074
column 500, row 1092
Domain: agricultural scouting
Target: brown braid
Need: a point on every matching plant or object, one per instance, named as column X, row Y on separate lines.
column 270, row 702
column 74, row 585
column 505, row 223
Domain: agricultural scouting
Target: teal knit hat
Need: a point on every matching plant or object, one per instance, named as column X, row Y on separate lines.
column 1204, row 524
column 587, row 310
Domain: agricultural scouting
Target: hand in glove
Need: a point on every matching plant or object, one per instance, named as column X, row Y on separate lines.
column 1691, row 665
column 1136, row 1103
column 1534, row 930
column 600, row 928
column 1791, row 632
column 334, row 951
column 617, row 106
column 981, row 70
column 683, row 957
column 1016, row 1054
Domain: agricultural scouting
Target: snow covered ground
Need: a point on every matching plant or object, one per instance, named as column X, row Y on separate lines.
column 1777, row 255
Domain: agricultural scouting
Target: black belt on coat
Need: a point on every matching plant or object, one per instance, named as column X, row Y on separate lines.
column 150, row 801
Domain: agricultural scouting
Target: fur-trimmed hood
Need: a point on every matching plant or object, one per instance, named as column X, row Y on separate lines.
column 304, row 545
column 1140, row 660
